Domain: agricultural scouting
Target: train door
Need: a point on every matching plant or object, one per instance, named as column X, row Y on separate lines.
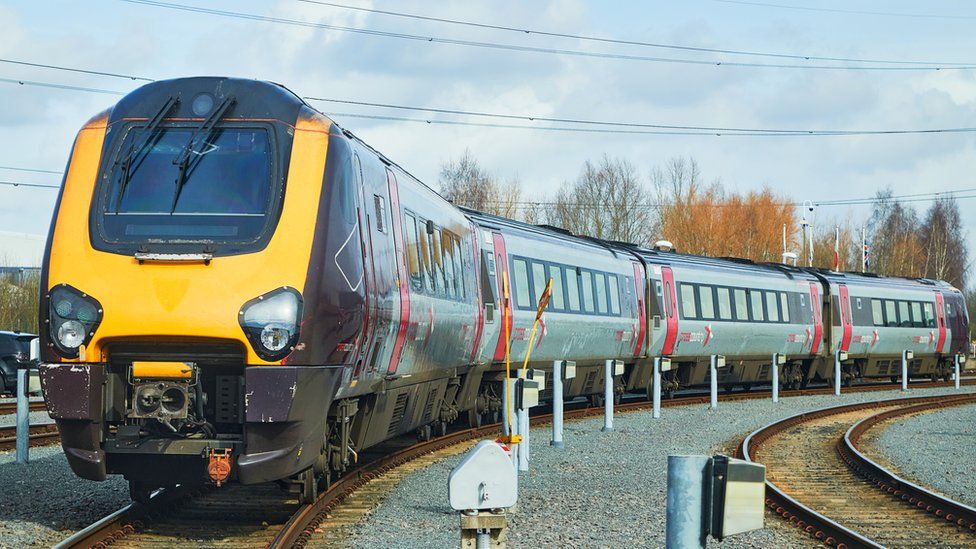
column 817, row 306
column 845, row 317
column 403, row 280
column 371, row 218
column 940, row 315
column 501, row 272
column 639, row 289
column 670, row 311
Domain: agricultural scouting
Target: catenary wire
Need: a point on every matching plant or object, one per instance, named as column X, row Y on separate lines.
column 845, row 11
column 530, row 49
column 20, row 169
column 619, row 41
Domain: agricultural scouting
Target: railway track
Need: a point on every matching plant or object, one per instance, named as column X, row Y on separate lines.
column 821, row 482
column 40, row 435
column 11, row 407
column 347, row 499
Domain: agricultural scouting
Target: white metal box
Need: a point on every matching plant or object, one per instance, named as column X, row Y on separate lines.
column 485, row 479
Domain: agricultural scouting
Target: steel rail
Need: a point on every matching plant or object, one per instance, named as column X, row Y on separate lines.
column 7, row 408
column 899, row 488
column 817, row 525
column 40, row 435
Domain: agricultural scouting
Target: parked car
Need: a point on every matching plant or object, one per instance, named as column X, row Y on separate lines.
column 14, row 351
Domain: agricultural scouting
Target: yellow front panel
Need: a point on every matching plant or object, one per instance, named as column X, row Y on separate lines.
column 161, row 370
column 184, row 299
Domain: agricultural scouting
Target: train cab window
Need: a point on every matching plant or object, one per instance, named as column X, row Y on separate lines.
column 877, row 314
column 522, row 297
column 558, row 301
column 724, row 303
column 929, row 314
column 917, row 320
column 573, row 289
column 413, row 251
column 756, row 306
column 379, row 205
column 488, row 284
column 586, row 279
column 668, row 300
column 600, row 280
column 784, row 306
column 904, row 318
column 741, row 305
column 614, row 294
column 689, row 310
column 539, row 281
column 772, row 307
column 891, row 314
column 657, row 299
column 707, row 301
column 425, row 255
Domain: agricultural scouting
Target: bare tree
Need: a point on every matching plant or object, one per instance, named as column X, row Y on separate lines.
column 896, row 246
column 465, row 183
column 607, row 201
column 944, row 241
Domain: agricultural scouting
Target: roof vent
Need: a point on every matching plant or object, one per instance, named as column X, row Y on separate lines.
column 664, row 246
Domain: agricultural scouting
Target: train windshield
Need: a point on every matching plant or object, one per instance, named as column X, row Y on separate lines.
column 178, row 186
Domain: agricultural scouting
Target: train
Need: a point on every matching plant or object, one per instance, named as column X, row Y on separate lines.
column 237, row 289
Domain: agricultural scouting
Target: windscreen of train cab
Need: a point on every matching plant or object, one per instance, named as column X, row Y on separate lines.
column 220, row 199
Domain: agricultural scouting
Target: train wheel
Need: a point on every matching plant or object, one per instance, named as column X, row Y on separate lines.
column 309, row 488
column 474, row 418
column 596, row 401
column 669, row 393
column 442, row 428
column 140, row 492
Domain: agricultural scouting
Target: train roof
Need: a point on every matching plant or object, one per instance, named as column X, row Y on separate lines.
column 873, row 279
column 487, row 220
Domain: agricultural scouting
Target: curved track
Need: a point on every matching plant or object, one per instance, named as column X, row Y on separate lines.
column 817, row 480
column 138, row 525
column 40, row 435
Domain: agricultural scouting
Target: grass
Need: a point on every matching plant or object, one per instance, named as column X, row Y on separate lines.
column 18, row 304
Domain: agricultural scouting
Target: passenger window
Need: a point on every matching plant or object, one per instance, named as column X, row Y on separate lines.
column 707, row 302
column 458, row 269
column 772, row 307
column 447, row 249
column 436, row 270
column 587, row 282
column 741, row 305
column 688, row 309
column 917, row 320
column 615, row 294
column 424, row 253
column 904, row 318
column 600, row 280
column 657, row 299
column 929, row 313
column 877, row 315
column 558, row 301
column 413, row 251
column 784, row 306
column 724, row 303
column 539, row 281
column 379, row 204
column 522, row 298
column 891, row 314
column 756, row 305
column 573, row 289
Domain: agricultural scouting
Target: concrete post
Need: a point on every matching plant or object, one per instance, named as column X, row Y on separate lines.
column 775, row 377
column 686, row 489
column 23, row 416
column 713, row 374
column 608, row 396
column 956, row 375
column 523, row 447
column 506, row 406
column 837, row 372
column 557, row 404
column 904, row 370
column 656, row 389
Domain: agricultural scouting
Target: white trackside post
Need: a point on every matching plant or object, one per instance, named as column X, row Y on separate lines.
column 523, row 447
column 837, row 372
column 775, row 377
column 23, row 416
column 904, row 370
column 656, row 389
column 956, row 375
column 684, row 526
column 557, row 404
column 713, row 374
column 506, row 428
column 608, row 395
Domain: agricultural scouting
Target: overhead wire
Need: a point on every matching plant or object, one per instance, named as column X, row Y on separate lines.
column 530, row 49
column 845, row 11
column 620, row 41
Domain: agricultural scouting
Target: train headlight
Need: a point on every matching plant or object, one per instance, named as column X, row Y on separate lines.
column 73, row 317
column 271, row 322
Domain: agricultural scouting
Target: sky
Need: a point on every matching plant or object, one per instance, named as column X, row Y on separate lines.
column 38, row 125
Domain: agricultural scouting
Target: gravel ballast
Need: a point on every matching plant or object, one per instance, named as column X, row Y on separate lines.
column 935, row 449
column 36, row 418
column 603, row 489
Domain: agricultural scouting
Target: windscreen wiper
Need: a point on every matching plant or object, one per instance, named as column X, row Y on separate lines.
column 183, row 160
column 148, row 133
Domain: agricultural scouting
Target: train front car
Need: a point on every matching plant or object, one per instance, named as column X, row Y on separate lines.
column 195, row 312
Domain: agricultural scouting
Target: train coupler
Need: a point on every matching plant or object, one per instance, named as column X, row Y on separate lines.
column 218, row 465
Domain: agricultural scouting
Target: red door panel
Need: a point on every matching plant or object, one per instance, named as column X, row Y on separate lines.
column 501, row 267
column 403, row 281
column 817, row 307
column 845, row 318
column 940, row 316
column 670, row 311
column 639, row 283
